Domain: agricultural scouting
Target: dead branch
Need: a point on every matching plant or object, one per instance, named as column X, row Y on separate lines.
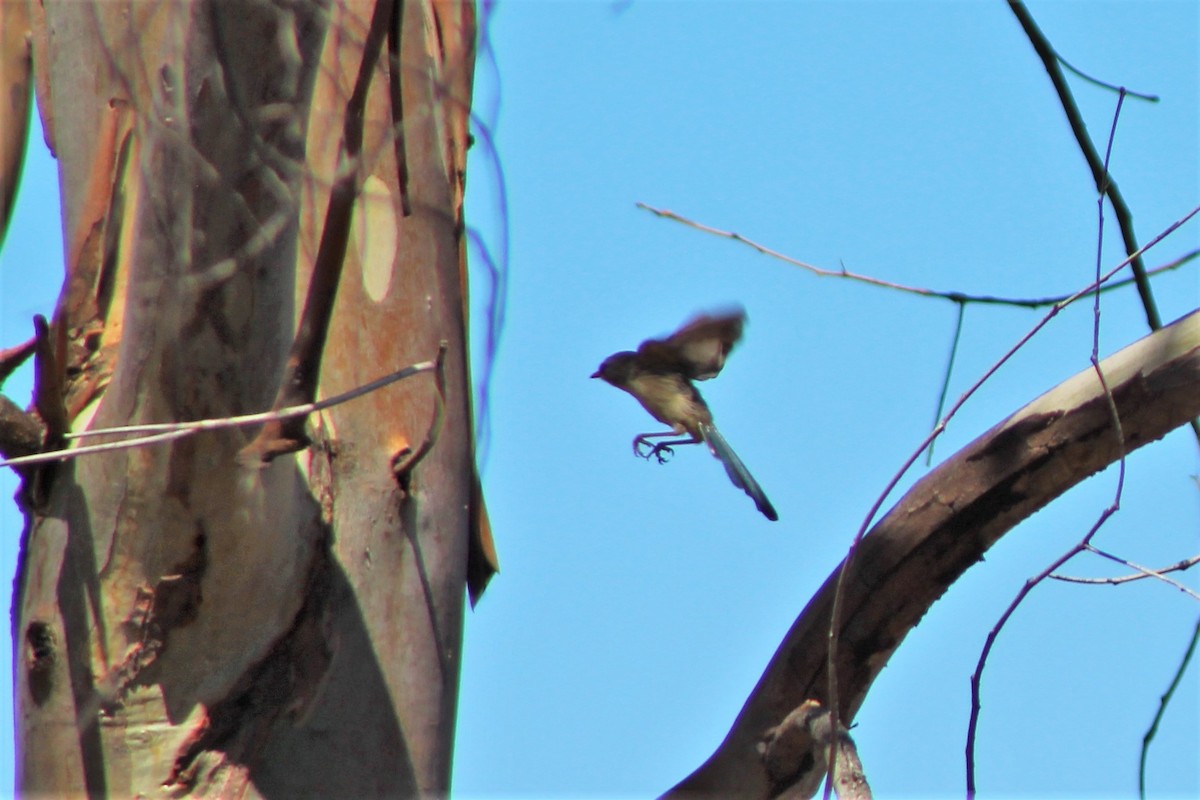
column 945, row 524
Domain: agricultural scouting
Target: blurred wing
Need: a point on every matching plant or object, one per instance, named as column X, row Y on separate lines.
column 699, row 348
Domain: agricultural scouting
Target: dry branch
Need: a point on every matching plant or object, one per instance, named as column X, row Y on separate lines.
column 945, row 524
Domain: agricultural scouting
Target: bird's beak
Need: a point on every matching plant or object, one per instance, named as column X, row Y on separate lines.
column 596, row 374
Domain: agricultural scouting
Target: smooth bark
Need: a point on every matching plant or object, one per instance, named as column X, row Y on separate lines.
column 186, row 622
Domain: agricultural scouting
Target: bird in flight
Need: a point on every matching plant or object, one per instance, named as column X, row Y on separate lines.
column 660, row 374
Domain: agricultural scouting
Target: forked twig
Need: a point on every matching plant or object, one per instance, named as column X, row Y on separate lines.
column 1144, row 572
column 1099, row 168
column 835, row 613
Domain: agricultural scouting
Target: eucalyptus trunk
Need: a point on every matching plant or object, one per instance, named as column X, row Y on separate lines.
column 262, row 205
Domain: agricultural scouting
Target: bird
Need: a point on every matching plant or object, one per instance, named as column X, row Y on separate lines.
column 660, row 375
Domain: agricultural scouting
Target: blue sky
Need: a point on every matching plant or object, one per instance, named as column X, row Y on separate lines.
column 915, row 142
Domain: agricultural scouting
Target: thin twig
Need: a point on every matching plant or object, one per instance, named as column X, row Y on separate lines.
column 952, row 296
column 1104, row 181
column 1149, row 98
column 169, row 431
column 1085, row 543
column 1145, row 572
column 977, row 675
column 941, row 404
column 1163, row 702
column 835, row 612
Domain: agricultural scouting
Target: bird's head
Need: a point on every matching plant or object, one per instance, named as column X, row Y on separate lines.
column 618, row 368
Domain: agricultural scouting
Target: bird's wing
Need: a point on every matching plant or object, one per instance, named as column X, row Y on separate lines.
column 699, row 347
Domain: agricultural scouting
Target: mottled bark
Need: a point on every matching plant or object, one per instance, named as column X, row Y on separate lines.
column 186, row 621
column 16, row 40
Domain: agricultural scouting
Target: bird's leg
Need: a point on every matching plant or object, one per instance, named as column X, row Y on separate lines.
column 656, row 450
column 642, row 440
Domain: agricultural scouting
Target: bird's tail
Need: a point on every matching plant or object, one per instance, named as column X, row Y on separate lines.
column 737, row 471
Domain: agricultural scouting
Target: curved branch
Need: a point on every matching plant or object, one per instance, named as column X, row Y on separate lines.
column 945, row 524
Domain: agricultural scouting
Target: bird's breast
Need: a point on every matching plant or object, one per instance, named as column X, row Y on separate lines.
column 670, row 399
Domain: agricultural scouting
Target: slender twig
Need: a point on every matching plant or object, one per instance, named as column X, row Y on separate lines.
column 169, row 431
column 941, row 404
column 835, row 611
column 1145, row 572
column 952, row 296
column 1104, row 181
column 941, row 426
column 977, row 675
column 1085, row 542
column 1149, row 98
column 1163, row 702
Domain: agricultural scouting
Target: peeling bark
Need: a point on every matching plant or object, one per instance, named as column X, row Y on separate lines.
column 188, row 623
column 16, row 73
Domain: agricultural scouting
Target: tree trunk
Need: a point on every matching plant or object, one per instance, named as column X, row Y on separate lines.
column 187, row 621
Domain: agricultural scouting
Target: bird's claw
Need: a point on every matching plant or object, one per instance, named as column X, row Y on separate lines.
column 654, row 451
column 651, row 450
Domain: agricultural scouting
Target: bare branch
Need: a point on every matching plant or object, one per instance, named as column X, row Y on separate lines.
column 1104, row 181
column 1145, row 572
column 1149, row 98
column 941, row 404
column 944, row 525
column 953, row 296
column 169, row 431
column 1162, row 708
column 1085, row 543
column 835, row 613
